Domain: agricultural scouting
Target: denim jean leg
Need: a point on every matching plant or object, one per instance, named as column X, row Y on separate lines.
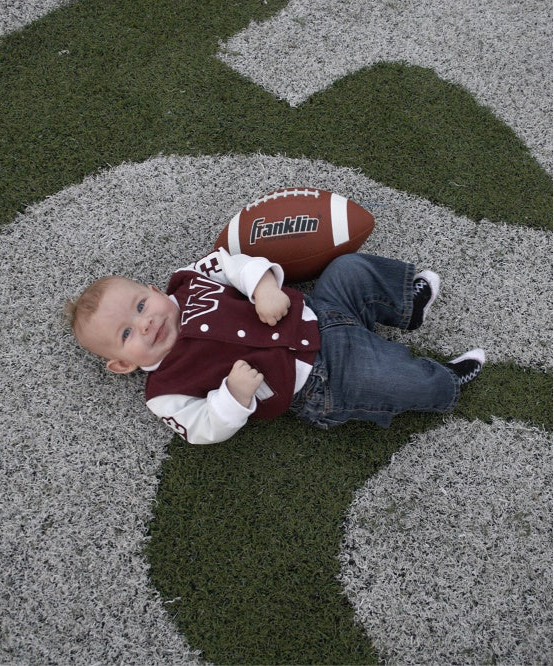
column 361, row 376
column 369, row 288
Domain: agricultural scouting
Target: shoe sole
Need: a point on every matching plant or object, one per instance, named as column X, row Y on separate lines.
column 477, row 354
column 434, row 281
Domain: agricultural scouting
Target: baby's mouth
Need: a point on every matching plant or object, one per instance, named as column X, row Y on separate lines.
column 160, row 335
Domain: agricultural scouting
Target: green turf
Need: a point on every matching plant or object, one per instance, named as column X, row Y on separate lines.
column 99, row 83
column 246, row 533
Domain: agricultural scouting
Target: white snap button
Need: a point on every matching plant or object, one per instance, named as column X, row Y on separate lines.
column 305, row 342
column 275, row 336
column 204, row 328
column 241, row 334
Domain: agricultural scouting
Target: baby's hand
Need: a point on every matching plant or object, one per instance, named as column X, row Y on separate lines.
column 243, row 381
column 271, row 303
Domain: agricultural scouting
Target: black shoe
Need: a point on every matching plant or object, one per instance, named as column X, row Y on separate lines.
column 468, row 365
column 426, row 290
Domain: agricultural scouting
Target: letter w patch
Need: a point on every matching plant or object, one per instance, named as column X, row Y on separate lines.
column 202, row 300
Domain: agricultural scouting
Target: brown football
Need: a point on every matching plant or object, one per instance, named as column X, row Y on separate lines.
column 302, row 229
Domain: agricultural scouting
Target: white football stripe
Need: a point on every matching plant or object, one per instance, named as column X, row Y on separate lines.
column 339, row 219
column 233, row 235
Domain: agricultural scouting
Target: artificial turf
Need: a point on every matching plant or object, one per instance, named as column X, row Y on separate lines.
column 99, row 83
column 245, row 534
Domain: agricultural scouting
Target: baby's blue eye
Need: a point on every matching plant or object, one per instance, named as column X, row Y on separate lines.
column 140, row 306
column 126, row 334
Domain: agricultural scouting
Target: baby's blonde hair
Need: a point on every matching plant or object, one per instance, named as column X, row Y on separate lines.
column 82, row 308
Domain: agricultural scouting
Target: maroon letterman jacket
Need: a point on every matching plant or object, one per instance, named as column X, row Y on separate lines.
column 219, row 326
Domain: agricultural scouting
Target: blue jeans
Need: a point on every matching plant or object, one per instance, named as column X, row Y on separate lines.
column 357, row 374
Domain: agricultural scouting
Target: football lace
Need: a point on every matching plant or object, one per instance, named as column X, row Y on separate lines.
column 283, row 193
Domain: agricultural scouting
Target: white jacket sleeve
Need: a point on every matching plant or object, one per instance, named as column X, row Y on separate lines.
column 239, row 270
column 203, row 420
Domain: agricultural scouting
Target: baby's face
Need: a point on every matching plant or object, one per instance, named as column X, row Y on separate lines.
column 134, row 326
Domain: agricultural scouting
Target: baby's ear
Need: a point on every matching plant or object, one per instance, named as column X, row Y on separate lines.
column 120, row 367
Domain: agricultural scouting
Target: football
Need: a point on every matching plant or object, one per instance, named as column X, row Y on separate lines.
column 302, row 229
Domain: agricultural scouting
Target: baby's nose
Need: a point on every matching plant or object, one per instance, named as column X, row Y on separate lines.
column 145, row 324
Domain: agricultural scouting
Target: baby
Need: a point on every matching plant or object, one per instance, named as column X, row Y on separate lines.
column 228, row 341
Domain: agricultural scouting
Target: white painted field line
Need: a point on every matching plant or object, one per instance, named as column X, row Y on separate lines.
column 448, row 550
column 15, row 14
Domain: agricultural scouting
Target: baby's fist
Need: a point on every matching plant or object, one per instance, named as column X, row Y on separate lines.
column 271, row 303
column 243, row 381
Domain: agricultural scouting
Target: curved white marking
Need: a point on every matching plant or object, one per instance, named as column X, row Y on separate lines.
column 16, row 14
column 447, row 553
